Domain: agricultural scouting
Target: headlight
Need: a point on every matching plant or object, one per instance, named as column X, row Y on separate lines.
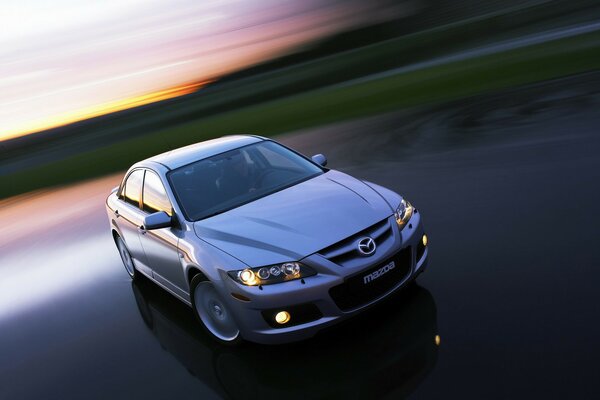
column 272, row 274
column 403, row 213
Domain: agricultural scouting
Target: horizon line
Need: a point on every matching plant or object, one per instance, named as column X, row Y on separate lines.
column 105, row 109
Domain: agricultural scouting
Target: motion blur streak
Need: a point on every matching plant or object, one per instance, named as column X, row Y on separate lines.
column 44, row 255
column 105, row 108
column 50, row 273
column 60, row 60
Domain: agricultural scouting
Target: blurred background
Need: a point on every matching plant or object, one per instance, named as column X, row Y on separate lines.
column 484, row 114
column 88, row 89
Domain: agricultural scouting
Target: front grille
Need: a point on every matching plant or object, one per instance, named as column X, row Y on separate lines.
column 346, row 250
column 354, row 292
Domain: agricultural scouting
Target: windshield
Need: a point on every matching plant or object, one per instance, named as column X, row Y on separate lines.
column 228, row 180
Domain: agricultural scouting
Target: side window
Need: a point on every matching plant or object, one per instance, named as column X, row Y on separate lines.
column 155, row 196
column 133, row 187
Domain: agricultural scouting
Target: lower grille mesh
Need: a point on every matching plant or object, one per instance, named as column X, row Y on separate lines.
column 355, row 292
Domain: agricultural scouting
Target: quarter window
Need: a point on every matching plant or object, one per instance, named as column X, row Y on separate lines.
column 155, row 195
column 133, row 187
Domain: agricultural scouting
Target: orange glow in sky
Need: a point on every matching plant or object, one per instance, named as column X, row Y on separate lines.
column 67, row 60
column 101, row 109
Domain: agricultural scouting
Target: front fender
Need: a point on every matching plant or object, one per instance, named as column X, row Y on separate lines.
column 209, row 260
column 392, row 198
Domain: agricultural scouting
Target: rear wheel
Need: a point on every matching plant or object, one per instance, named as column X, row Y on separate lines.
column 126, row 257
column 213, row 312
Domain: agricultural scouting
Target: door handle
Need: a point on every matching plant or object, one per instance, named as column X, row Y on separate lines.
column 117, row 213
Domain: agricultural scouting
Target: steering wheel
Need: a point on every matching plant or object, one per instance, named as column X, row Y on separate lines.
column 261, row 177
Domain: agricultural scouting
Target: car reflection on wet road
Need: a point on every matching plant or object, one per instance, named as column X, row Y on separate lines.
column 509, row 187
column 391, row 360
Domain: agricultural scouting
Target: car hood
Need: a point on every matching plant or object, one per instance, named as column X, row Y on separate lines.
column 295, row 222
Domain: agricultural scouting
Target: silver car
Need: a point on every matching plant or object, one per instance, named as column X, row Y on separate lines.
column 263, row 243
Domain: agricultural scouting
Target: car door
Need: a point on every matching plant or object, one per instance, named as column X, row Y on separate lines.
column 160, row 245
column 130, row 217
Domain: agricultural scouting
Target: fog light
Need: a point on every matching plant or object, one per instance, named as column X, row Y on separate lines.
column 438, row 340
column 282, row 317
column 424, row 240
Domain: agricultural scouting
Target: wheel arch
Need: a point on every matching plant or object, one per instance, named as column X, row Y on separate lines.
column 192, row 272
column 115, row 231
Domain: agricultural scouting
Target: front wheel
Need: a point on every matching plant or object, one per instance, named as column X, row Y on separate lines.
column 213, row 313
column 126, row 258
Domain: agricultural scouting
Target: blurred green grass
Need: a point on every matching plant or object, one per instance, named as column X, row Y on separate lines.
column 435, row 84
column 395, row 52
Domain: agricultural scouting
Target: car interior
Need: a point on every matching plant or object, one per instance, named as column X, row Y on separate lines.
column 231, row 178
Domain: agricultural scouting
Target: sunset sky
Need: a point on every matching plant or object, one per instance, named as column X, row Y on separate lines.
column 66, row 60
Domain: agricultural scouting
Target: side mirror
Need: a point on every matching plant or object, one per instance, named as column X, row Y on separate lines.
column 320, row 159
column 157, row 220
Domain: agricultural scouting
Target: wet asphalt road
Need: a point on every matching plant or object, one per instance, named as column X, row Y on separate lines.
column 508, row 186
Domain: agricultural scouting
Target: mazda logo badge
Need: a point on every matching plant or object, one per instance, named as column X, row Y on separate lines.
column 366, row 246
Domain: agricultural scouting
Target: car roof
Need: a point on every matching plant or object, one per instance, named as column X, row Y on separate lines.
column 194, row 152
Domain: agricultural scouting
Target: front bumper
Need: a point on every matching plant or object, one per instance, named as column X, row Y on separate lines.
column 315, row 290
